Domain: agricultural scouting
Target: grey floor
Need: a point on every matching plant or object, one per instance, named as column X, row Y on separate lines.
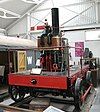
column 96, row 103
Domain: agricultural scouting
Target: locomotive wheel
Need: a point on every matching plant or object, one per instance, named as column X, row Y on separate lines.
column 79, row 91
column 88, row 77
column 88, row 80
column 16, row 93
column 34, row 94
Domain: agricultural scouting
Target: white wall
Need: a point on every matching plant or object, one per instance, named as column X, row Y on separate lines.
column 79, row 36
column 75, row 36
column 95, row 47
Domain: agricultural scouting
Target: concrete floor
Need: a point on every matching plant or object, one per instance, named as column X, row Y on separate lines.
column 96, row 103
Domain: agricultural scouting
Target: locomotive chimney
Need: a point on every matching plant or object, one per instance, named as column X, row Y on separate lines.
column 55, row 21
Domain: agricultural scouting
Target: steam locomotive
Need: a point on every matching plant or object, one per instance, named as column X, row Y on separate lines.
column 52, row 73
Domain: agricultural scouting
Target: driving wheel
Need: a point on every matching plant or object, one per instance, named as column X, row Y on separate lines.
column 17, row 93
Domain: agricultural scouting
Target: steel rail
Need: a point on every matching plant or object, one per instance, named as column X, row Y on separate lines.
column 25, row 100
column 15, row 109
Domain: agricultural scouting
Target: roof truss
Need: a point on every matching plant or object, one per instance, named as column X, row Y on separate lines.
column 29, row 11
column 32, row 1
column 8, row 14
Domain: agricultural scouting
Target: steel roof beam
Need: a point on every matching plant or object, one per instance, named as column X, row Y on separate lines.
column 68, row 5
column 29, row 11
column 31, row 1
column 84, row 16
column 4, row 13
column 80, row 3
column 77, row 15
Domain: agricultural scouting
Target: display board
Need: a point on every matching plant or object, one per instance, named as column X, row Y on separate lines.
column 79, row 52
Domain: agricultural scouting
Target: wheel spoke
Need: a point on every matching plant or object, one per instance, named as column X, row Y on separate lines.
column 16, row 93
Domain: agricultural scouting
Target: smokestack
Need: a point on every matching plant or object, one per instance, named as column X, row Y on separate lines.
column 55, row 21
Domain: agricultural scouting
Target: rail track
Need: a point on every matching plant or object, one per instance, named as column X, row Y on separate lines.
column 23, row 106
